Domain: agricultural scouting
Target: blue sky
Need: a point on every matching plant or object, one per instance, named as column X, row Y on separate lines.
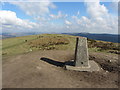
column 71, row 8
column 59, row 17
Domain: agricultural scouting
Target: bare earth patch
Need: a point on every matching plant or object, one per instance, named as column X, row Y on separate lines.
column 29, row 71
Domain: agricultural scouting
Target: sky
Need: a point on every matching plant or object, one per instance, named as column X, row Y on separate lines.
column 59, row 17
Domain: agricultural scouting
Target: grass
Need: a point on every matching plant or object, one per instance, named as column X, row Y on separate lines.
column 102, row 46
column 25, row 44
column 16, row 45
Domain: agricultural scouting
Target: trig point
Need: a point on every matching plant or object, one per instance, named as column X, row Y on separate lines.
column 81, row 61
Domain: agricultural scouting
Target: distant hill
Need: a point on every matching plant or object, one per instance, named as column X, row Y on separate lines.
column 103, row 37
column 10, row 35
column 3, row 36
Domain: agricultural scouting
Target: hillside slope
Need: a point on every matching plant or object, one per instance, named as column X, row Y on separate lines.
column 25, row 44
column 37, row 61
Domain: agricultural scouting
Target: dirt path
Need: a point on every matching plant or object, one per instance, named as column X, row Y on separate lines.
column 29, row 71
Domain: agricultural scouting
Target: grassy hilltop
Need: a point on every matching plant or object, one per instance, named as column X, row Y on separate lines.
column 25, row 44
column 38, row 61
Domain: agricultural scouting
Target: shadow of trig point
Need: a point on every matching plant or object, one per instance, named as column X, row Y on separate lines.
column 82, row 62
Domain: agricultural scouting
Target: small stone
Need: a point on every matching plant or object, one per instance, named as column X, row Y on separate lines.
column 30, row 50
column 38, row 67
column 106, row 71
column 109, row 61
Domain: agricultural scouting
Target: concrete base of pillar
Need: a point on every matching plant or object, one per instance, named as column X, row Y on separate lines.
column 93, row 66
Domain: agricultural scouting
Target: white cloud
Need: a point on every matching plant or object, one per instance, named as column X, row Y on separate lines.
column 68, row 22
column 68, row 27
column 103, row 21
column 98, row 21
column 39, row 11
column 78, row 13
column 96, row 10
column 9, row 21
column 58, row 16
column 35, row 8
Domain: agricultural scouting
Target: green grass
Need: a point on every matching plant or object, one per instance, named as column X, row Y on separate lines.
column 16, row 45
column 13, row 46
column 26, row 44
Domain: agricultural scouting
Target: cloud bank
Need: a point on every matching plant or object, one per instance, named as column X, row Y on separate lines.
column 99, row 20
column 11, row 22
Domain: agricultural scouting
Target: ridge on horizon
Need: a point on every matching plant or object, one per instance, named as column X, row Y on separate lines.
column 103, row 37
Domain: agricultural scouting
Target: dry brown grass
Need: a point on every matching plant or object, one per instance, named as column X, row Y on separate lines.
column 102, row 45
column 48, row 42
